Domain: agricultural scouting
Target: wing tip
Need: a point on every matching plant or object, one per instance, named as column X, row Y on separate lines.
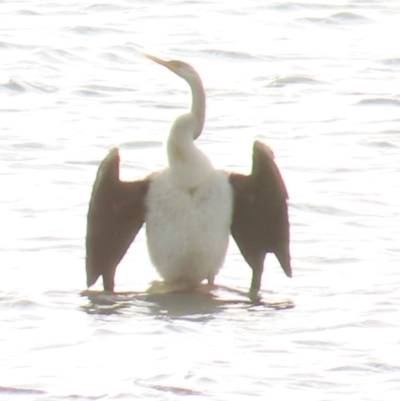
column 264, row 165
column 109, row 168
column 113, row 154
column 114, row 151
column 91, row 279
column 262, row 147
column 283, row 257
column 288, row 270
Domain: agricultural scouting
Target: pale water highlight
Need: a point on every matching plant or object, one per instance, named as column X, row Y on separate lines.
column 318, row 81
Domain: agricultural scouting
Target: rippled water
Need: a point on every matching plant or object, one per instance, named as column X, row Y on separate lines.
column 318, row 81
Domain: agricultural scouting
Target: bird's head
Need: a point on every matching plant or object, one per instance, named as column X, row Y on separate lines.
column 189, row 74
column 184, row 70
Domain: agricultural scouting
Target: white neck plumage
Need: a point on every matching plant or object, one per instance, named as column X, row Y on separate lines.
column 189, row 166
column 198, row 102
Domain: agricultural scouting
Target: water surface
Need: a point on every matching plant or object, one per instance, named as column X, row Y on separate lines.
column 318, row 81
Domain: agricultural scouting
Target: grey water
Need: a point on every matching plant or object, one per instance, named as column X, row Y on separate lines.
column 318, row 81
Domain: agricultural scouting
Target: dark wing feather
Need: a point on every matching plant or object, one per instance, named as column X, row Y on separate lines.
column 116, row 214
column 260, row 218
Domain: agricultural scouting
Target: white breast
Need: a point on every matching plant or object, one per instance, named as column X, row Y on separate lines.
column 188, row 228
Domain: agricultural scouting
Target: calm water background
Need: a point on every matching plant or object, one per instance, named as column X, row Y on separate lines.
column 319, row 81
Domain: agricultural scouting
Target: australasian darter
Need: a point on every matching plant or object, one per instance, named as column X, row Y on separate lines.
column 189, row 208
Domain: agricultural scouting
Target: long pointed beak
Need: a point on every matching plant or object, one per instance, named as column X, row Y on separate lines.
column 157, row 60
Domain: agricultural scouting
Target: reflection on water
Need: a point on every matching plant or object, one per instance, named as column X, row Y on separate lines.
column 178, row 304
column 318, row 81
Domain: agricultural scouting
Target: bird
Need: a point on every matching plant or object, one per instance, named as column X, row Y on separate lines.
column 189, row 209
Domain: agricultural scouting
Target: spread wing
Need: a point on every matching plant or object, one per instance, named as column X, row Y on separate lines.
column 260, row 218
column 116, row 214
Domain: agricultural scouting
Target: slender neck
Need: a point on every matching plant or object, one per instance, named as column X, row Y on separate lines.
column 198, row 103
column 188, row 165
